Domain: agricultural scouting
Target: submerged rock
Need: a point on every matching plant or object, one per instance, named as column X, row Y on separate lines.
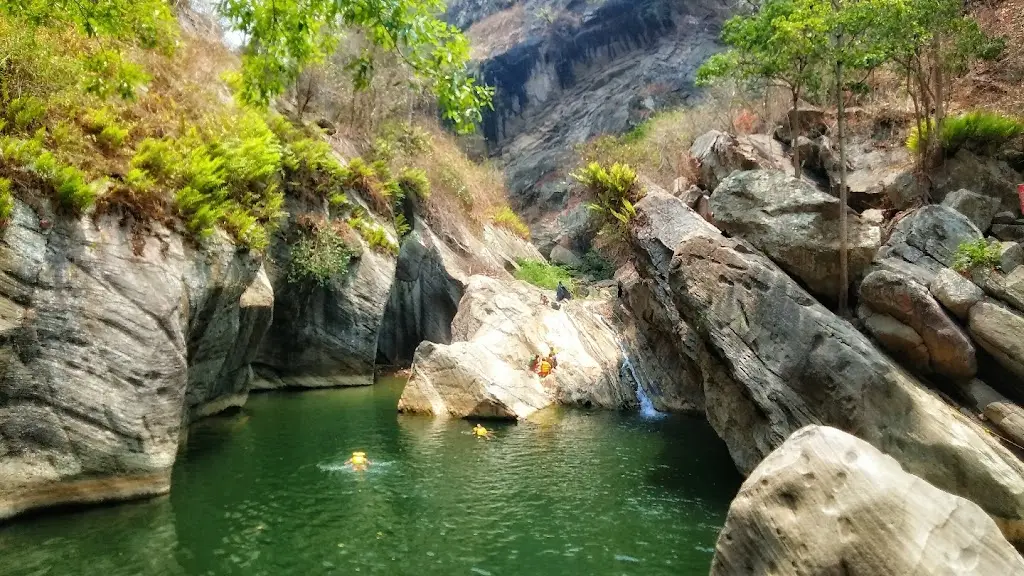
column 826, row 502
column 499, row 327
column 111, row 342
column 795, row 225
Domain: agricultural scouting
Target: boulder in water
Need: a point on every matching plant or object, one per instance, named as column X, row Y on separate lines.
column 826, row 502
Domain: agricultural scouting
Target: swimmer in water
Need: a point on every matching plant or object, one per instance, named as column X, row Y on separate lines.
column 481, row 432
column 358, row 461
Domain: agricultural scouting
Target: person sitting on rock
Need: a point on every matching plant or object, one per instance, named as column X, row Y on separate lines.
column 358, row 461
column 562, row 293
column 545, row 367
column 481, row 432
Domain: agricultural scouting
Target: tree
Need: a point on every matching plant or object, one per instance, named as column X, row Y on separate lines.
column 930, row 43
column 282, row 37
column 784, row 42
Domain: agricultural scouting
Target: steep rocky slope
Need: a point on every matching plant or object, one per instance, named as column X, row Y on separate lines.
column 567, row 70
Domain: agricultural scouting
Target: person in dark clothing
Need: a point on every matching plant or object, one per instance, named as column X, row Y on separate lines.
column 562, row 293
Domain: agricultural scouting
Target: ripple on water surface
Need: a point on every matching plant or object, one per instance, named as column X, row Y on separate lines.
column 267, row 492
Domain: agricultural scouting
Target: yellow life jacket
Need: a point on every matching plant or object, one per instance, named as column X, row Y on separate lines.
column 358, row 459
column 545, row 368
column 480, row 431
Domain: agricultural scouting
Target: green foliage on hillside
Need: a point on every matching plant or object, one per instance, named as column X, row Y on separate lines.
column 977, row 130
column 322, row 253
column 615, row 189
column 544, row 275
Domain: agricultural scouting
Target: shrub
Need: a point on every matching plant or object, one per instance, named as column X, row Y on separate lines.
column 26, row 113
column 977, row 130
column 615, row 189
column 320, row 255
column 511, row 221
column 108, row 73
column 74, row 194
column 6, row 202
column 544, row 275
column 362, row 178
column 976, row 254
column 375, row 235
column 103, row 126
column 402, row 227
column 415, row 182
column 596, row 266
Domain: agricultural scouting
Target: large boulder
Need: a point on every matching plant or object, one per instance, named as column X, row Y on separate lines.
column 826, row 502
column 112, row 340
column 956, row 293
column 999, row 331
column 978, row 208
column 795, row 225
column 929, row 236
column 718, row 155
column 499, row 327
column 949, row 351
column 1001, row 412
column 986, row 176
column 773, row 360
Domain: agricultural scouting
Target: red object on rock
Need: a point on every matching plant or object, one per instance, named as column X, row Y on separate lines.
column 1020, row 195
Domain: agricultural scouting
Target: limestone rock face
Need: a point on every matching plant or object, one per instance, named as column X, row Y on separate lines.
column 955, row 292
column 978, row 208
column 826, row 502
column 929, row 236
column 773, row 360
column 430, row 279
column 950, row 351
column 110, row 344
column 499, row 327
column 795, row 225
column 999, row 330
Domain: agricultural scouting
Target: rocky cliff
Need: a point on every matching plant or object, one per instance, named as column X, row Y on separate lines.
column 567, row 70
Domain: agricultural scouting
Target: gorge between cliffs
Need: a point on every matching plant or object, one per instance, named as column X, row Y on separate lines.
column 264, row 318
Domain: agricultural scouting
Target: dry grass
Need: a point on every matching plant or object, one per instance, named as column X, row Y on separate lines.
column 997, row 85
column 498, row 32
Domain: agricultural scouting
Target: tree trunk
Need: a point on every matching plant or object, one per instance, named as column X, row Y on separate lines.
column 938, row 92
column 794, row 132
column 844, row 267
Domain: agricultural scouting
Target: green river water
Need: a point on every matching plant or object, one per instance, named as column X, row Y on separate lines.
column 265, row 492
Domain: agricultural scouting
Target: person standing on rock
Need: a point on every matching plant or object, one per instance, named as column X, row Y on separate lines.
column 562, row 293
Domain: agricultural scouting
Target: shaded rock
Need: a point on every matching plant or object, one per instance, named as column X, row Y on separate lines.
column 110, row 343
column 773, row 360
column 691, row 196
column 876, row 172
column 978, row 208
column 988, row 177
column 1005, row 217
column 499, row 327
column 795, row 225
column 565, row 257
column 1011, row 255
column 950, row 351
column 1008, row 232
column 929, row 236
column 955, row 292
column 1001, row 412
column 998, row 330
column 826, row 502
column 903, row 189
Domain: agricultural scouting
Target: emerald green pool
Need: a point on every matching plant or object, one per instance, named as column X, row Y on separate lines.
column 265, row 492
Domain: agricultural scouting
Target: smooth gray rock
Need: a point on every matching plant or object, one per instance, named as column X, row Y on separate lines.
column 950, row 351
column 896, row 337
column 111, row 342
column 795, row 225
column 773, row 360
column 1011, row 255
column 1001, row 412
column 998, row 330
column 929, row 236
column 978, row 208
column 987, row 176
column 565, row 257
column 826, row 502
column 1008, row 232
column 1005, row 217
column 956, row 293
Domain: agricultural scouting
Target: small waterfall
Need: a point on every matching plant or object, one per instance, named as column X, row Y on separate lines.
column 647, row 408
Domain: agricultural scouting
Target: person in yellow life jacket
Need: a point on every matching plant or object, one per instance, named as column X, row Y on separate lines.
column 358, row 461
column 545, row 368
column 481, row 432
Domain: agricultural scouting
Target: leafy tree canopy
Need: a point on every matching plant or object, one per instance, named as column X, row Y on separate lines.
column 283, row 36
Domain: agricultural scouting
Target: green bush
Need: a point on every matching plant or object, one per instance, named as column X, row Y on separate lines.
column 103, row 126
column 509, row 220
column 107, row 73
column 615, row 190
column 26, row 113
column 544, row 275
column 596, row 266
column 74, row 193
column 979, row 253
column 415, row 182
column 320, row 255
column 6, row 201
column 363, row 179
column 402, row 227
column 978, row 130
column 374, row 234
